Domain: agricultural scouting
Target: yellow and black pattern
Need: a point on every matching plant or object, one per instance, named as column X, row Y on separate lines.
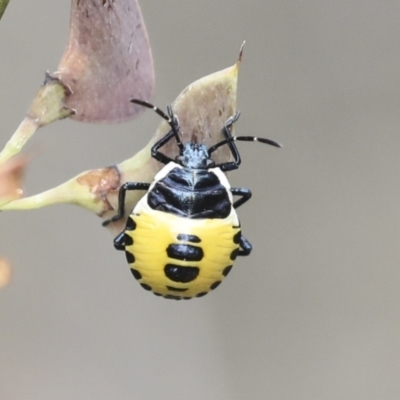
column 180, row 258
column 183, row 236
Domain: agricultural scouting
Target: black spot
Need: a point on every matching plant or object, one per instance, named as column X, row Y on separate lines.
column 181, row 274
column 188, row 238
column 234, row 254
column 236, row 238
column 168, row 296
column 185, row 252
column 175, row 289
column 157, row 294
column 129, row 257
column 187, row 298
column 226, row 270
column 137, row 275
column 145, row 287
column 215, row 285
column 130, row 224
column 201, row 294
column 128, row 240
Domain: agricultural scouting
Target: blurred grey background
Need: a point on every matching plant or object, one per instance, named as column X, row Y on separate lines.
column 314, row 312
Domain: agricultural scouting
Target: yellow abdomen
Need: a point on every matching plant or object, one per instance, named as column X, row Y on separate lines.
column 179, row 257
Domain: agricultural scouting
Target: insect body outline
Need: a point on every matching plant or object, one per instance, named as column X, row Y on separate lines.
column 184, row 234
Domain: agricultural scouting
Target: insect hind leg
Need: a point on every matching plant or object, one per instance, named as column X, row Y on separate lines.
column 245, row 247
column 121, row 199
column 119, row 241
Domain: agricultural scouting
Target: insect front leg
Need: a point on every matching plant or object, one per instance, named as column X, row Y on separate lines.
column 244, row 193
column 172, row 120
column 121, row 199
column 226, row 130
column 155, row 153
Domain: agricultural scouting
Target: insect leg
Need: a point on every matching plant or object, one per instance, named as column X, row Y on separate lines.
column 245, row 247
column 226, row 130
column 162, row 158
column 119, row 241
column 171, row 118
column 121, row 199
column 174, row 132
column 244, row 192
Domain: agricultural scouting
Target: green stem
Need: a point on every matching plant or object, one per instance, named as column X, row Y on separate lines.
column 3, row 6
column 24, row 132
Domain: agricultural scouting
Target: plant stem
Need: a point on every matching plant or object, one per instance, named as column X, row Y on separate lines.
column 23, row 133
column 3, row 6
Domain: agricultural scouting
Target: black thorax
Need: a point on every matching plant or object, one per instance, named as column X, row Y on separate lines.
column 191, row 193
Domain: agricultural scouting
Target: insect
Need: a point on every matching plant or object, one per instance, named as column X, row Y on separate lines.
column 182, row 237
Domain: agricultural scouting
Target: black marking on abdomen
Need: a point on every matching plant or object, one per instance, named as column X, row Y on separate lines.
column 130, row 224
column 185, row 252
column 129, row 257
column 215, row 285
column 201, row 294
column 136, row 274
column 169, row 296
column 226, row 270
column 236, row 238
column 175, row 289
column 181, row 274
column 234, row 254
column 145, row 286
column 128, row 241
column 188, row 238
